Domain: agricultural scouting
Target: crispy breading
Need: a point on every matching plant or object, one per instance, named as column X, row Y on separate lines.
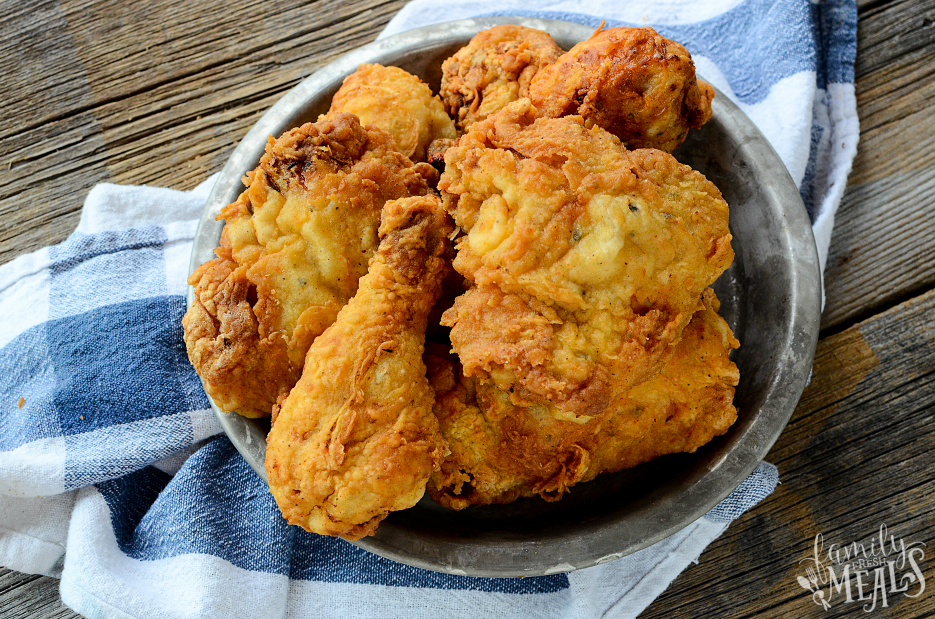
column 632, row 82
column 356, row 438
column 493, row 69
column 587, row 260
column 397, row 102
column 500, row 451
column 295, row 244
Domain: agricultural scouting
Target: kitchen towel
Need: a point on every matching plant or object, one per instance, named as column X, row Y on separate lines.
column 113, row 475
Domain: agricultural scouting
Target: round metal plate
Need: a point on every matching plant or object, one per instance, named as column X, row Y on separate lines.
column 771, row 297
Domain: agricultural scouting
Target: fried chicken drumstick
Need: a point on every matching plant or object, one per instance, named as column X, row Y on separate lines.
column 295, row 244
column 357, row 438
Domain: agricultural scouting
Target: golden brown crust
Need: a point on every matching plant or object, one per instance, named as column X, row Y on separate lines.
column 588, row 339
column 632, row 82
column 356, row 438
column 587, row 260
column 397, row 102
column 492, row 70
column 500, row 451
column 295, row 244
column 222, row 336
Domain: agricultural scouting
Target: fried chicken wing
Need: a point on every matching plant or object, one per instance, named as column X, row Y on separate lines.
column 632, row 82
column 295, row 244
column 397, row 102
column 356, row 438
column 493, row 69
column 500, row 451
column 587, row 260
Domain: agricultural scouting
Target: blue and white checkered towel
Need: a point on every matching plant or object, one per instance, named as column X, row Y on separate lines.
column 111, row 473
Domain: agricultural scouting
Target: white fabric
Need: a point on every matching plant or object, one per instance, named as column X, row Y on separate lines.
column 48, row 527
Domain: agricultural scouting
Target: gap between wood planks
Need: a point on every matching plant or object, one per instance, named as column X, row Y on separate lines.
column 880, row 308
column 882, row 240
column 143, row 138
column 779, row 603
column 868, row 7
column 866, row 461
column 317, row 31
column 26, row 596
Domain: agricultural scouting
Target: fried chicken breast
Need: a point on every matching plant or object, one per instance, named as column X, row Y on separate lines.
column 493, row 69
column 500, row 451
column 295, row 244
column 356, row 438
column 587, row 260
column 632, row 82
column 397, row 102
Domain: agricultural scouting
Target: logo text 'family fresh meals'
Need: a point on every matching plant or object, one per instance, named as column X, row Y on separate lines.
column 872, row 572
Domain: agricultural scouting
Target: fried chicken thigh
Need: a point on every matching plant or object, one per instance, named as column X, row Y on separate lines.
column 587, row 260
column 493, row 69
column 295, row 244
column 632, row 82
column 500, row 451
column 397, row 102
column 357, row 438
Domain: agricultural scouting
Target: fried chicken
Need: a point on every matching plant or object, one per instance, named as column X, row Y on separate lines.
column 295, row 244
column 493, row 69
column 397, row 102
column 500, row 451
column 587, row 260
column 356, row 438
column 632, row 82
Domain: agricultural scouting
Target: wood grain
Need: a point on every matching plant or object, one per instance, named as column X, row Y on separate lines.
column 881, row 249
column 152, row 93
column 857, row 453
column 25, row 596
column 159, row 93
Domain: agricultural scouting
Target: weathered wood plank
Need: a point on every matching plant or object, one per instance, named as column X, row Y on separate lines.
column 10, row 580
column 159, row 95
column 866, row 5
column 167, row 92
column 857, row 453
column 884, row 236
column 25, row 596
column 50, row 145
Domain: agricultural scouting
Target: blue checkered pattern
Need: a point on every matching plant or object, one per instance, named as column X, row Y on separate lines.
column 112, row 472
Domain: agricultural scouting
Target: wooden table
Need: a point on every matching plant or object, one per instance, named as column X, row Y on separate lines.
column 160, row 92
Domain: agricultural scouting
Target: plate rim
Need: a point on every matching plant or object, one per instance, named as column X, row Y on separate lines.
column 394, row 542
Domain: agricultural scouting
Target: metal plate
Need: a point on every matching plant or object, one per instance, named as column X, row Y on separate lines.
column 771, row 297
